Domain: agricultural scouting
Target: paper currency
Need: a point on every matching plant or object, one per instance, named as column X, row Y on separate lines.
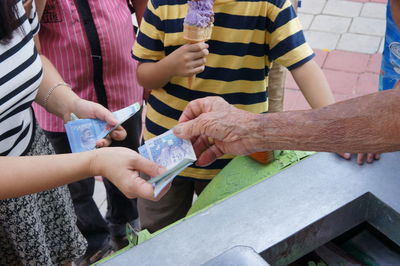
column 83, row 133
column 172, row 152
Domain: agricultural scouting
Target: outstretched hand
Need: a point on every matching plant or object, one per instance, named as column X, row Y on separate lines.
column 216, row 128
column 122, row 166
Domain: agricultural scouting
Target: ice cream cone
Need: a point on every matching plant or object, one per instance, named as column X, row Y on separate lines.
column 193, row 34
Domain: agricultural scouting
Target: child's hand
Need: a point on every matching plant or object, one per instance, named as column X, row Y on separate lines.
column 362, row 157
column 188, row 59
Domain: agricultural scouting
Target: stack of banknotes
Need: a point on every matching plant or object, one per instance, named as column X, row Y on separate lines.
column 83, row 133
column 172, row 152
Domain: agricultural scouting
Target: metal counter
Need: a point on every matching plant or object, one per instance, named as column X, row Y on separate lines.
column 285, row 216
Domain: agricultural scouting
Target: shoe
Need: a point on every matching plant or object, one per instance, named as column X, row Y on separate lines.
column 88, row 259
column 119, row 239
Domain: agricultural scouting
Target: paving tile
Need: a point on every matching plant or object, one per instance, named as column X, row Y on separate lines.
column 347, row 61
column 328, row 23
column 343, row 97
column 367, row 83
column 374, row 10
column 320, row 56
column 305, row 20
column 374, row 64
column 359, row 43
column 99, row 196
column 342, row 8
column 379, row 1
column 294, row 100
column 368, row 26
column 381, row 46
column 341, row 82
column 312, row 6
column 322, row 40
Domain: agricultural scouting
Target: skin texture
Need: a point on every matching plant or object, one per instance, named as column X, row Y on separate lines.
column 369, row 123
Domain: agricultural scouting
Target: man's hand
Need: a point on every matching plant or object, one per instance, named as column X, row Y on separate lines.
column 188, row 60
column 216, row 128
column 121, row 166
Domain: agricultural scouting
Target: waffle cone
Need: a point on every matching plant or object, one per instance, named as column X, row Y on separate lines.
column 195, row 34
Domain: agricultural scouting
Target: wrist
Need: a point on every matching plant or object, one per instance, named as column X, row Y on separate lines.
column 94, row 163
column 258, row 132
column 167, row 65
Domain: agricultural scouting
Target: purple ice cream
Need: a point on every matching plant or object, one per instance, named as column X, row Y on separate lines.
column 200, row 13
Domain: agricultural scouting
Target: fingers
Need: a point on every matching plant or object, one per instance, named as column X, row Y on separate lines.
column 209, row 156
column 198, row 47
column 105, row 142
column 146, row 166
column 192, row 110
column 118, row 134
column 187, row 130
column 360, row 158
column 104, row 114
column 345, row 155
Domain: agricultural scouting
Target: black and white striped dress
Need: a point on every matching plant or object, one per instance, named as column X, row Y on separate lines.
column 37, row 229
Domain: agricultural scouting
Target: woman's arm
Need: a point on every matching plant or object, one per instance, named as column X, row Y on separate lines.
column 30, row 174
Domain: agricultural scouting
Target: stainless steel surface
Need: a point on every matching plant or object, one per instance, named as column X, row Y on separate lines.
column 286, row 216
column 237, row 256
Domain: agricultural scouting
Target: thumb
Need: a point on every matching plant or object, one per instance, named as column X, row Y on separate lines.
column 187, row 130
column 148, row 167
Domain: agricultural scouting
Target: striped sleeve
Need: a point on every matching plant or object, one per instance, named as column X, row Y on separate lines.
column 33, row 20
column 149, row 46
column 287, row 44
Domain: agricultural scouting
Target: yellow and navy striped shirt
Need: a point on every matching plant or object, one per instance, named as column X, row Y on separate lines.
column 247, row 36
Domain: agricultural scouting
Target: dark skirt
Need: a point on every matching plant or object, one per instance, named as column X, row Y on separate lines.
column 40, row 229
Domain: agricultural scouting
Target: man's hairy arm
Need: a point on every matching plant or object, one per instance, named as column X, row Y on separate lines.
column 369, row 123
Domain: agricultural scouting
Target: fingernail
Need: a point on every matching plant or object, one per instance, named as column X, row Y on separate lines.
column 161, row 170
column 178, row 129
column 347, row 155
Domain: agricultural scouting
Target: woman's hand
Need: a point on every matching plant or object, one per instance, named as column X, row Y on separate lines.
column 121, row 166
column 87, row 109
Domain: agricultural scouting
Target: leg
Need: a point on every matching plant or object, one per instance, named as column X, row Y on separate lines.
column 170, row 208
column 120, row 209
column 90, row 222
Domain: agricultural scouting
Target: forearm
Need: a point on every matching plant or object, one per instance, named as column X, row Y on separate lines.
column 313, row 84
column 366, row 124
column 61, row 100
column 30, row 174
column 154, row 75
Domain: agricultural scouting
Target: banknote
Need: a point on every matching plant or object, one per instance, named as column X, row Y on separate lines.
column 83, row 133
column 121, row 115
column 174, row 153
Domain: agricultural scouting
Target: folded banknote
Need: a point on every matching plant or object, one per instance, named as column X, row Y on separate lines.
column 83, row 133
column 172, row 152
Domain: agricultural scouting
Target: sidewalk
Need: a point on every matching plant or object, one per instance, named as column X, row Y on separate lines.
column 347, row 38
